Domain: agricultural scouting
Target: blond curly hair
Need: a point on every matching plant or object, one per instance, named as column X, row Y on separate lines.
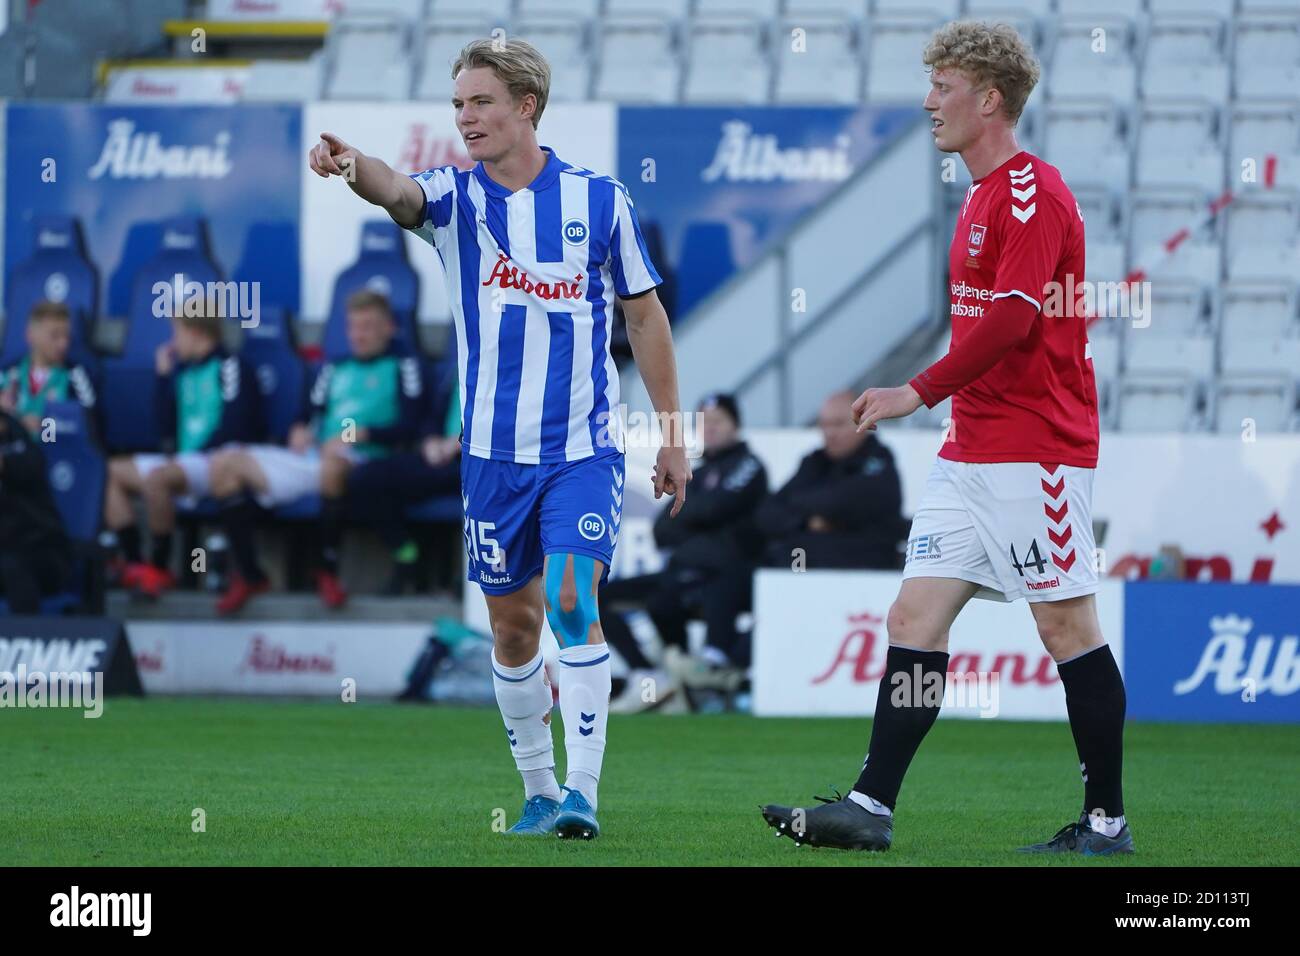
column 992, row 55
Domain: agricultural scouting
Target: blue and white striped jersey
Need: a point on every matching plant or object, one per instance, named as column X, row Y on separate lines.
column 531, row 277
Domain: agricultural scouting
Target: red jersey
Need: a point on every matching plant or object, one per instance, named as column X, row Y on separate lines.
column 1020, row 233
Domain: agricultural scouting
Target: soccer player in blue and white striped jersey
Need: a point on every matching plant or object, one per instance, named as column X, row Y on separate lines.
column 534, row 249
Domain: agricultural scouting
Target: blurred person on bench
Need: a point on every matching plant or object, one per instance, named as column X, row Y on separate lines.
column 380, row 490
column 35, row 556
column 44, row 374
column 710, row 542
column 843, row 507
column 206, row 400
column 359, row 408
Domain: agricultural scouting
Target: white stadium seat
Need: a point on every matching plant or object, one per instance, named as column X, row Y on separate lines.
column 1178, row 41
column 727, row 62
column 368, row 60
column 853, row 10
column 1259, row 330
column 406, row 10
column 1259, row 218
column 1105, row 261
column 827, row 69
column 1265, row 264
column 737, row 9
column 1209, row 82
column 1200, row 262
column 1157, row 214
column 1116, row 82
column 1177, row 127
column 996, row 9
column 1158, row 404
column 439, row 10
column 659, row 9
column 1201, row 170
column 1097, row 41
column 638, row 63
column 1268, row 403
column 439, row 45
column 1223, row 9
column 575, row 11
column 935, row 9
column 1177, row 308
column 281, row 80
column 895, row 72
column 1259, row 129
column 565, row 46
column 1099, row 212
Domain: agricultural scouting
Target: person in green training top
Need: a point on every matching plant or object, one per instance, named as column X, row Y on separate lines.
column 381, row 490
column 206, row 399
column 364, row 406
column 44, row 374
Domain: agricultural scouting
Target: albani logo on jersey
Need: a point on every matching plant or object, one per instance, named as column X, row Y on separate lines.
column 507, row 276
column 131, row 155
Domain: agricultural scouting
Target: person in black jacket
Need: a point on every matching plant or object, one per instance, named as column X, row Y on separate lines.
column 35, row 558
column 713, row 546
column 842, row 508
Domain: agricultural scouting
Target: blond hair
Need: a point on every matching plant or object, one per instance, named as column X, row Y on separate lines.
column 992, row 55
column 517, row 63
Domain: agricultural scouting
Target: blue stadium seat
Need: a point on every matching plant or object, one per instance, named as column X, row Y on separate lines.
column 381, row 266
column 141, row 245
column 270, row 258
column 129, row 379
column 57, row 270
column 78, row 477
column 281, row 374
column 706, row 262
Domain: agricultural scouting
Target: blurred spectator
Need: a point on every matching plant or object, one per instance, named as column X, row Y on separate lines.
column 709, row 569
column 362, row 407
column 44, row 374
column 380, row 490
column 35, row 556
column 206, row 399
column 842, row 508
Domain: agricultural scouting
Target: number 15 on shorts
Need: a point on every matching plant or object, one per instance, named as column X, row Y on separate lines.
column 481, row 546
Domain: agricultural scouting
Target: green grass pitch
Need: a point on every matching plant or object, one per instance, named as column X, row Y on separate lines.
column 312, row 783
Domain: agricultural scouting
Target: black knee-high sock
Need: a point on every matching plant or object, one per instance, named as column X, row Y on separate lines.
column 911, row 693
column 331, row 533
column 1095, row 701
column 128, row 540
column 160, row 554
column 239, row 516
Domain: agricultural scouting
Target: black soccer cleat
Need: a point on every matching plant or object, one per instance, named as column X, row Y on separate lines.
column 1081, row 838
column 839, row 824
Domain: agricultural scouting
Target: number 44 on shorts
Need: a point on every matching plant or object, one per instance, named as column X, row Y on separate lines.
column 1033, row 559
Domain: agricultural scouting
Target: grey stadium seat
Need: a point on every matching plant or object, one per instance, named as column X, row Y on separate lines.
column 1158, row 404
column 368, row 59
column 828, row 70
column 638, row 63
column 1268, row 402
column 727, row 62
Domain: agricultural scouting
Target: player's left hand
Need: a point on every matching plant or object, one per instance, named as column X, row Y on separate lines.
column 876, row 404
column 672, row 474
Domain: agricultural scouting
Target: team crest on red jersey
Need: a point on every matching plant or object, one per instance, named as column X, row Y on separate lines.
column 976, row 240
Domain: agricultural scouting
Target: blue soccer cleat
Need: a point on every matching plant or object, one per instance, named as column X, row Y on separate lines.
column 538, row 818
column 576, row 820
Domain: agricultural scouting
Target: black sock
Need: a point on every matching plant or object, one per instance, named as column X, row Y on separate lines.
column 331, row 533
column 160, row 553
column 129, row 541
column 1095, row 701
column 911, row 693
column 239, row 516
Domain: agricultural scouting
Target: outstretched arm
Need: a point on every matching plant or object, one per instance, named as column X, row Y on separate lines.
column 370, row 178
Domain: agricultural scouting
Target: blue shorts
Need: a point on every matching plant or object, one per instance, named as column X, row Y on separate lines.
column 516, row 514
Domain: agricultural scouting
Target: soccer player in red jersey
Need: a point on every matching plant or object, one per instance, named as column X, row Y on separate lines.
column 1007, row 507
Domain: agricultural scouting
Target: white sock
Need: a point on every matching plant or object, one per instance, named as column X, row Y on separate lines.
column 871, row 804
column 524, row 697
column 1107, row 826
column 584, row 703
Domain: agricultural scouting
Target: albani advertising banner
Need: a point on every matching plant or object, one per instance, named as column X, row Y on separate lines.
column 412, row 137
column 112, row 167
column 820, row 642
column 746, row 174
